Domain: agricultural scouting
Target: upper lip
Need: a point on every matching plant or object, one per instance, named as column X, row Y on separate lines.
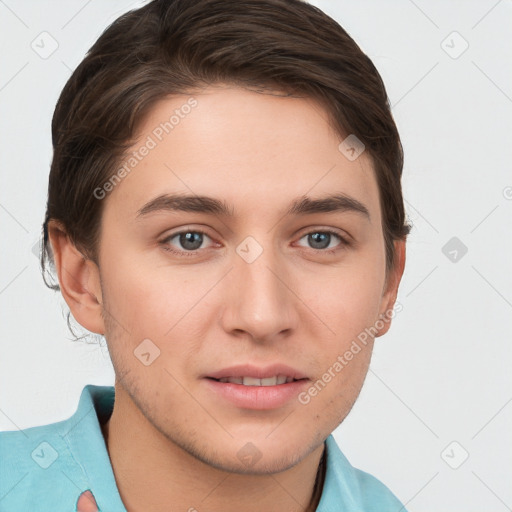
column 249, row 370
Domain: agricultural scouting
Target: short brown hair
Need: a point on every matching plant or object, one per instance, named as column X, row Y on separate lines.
column 173, row 47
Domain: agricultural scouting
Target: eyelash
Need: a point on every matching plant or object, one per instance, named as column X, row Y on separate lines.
column 344, row 243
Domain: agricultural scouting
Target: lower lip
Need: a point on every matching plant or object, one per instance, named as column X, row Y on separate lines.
column 257, row 397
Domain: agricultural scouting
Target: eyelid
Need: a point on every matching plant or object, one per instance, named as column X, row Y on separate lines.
column 344, row 235
column 186, row 229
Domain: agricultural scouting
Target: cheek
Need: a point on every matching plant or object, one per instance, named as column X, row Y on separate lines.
column 161, row 304
column 347, row 299
column 348, row 302
column 139, row 293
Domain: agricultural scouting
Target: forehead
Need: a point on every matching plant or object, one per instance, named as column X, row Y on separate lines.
column 246, row 147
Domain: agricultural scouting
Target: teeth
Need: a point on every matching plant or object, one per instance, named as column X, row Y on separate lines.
column 269, row 381
column 281, row 379
column 234, row 380
column 252, row 381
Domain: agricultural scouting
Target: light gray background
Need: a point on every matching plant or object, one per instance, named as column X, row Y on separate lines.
column 442, row 373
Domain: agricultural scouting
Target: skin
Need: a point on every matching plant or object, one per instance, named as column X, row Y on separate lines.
column 294, row 304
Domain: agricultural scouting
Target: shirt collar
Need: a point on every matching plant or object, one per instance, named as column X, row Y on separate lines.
column 95, row 408
column 87, row 445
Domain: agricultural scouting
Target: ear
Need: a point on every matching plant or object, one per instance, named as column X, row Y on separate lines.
column 79, row 280
column 390, row 291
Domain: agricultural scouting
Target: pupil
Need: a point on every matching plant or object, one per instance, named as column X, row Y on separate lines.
column 317, row 238
column 195, row 239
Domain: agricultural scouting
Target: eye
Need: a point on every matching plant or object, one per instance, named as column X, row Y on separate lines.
column 322, row 239
column 188, row 241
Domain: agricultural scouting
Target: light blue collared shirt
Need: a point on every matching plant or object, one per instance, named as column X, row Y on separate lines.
column 46, row 468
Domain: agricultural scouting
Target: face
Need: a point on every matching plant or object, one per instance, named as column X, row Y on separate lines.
column 191, row 290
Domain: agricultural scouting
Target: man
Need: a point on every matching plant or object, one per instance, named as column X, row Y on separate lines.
column 225, row 207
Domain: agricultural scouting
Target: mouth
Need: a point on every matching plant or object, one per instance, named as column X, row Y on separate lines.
column 258, row 388
column 276, row 380
column 250, row 375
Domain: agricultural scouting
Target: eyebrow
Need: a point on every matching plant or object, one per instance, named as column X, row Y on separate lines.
column 209, row 205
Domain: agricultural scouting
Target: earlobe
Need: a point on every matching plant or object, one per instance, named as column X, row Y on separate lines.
column 78, row 279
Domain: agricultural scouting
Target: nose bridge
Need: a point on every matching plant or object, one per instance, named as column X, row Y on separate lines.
column 260, row 303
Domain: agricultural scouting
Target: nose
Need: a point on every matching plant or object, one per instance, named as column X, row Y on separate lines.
column 259, row 297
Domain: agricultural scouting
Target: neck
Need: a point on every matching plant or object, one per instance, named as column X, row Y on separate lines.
column 153, row 473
